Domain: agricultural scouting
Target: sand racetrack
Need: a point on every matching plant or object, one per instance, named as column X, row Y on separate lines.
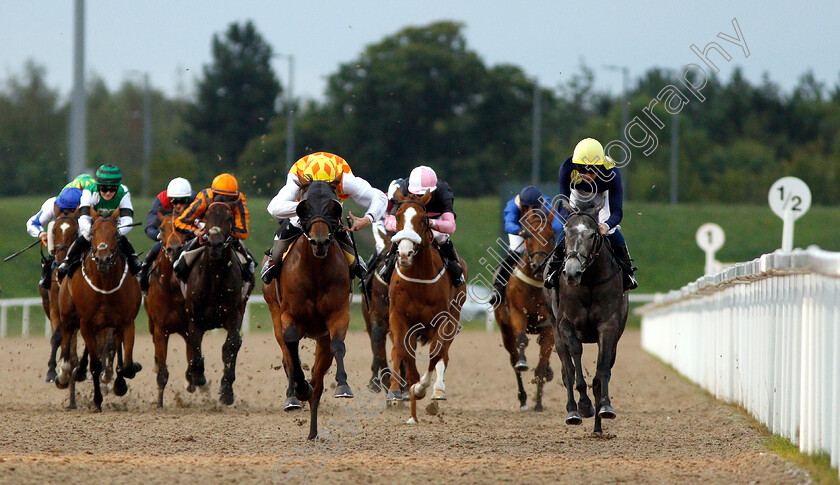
column 667, row 430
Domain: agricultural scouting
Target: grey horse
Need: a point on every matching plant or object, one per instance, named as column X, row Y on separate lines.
column 589, row 306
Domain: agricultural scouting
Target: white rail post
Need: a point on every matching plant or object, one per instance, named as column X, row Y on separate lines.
column 24, row 330
column 47, row 327
column 4, row 324
column 246, row 318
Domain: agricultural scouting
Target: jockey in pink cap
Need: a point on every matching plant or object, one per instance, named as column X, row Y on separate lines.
column 441, row 219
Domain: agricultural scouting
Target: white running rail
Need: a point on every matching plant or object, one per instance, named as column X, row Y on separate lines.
column 764, row 334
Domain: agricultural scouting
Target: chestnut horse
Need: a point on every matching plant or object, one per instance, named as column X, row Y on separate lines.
column 590, row 306
column 61, row 234
column 314, row 297
column 216, row 295
column 424, row 305
column 98, row 299
column 164, row 301
column 524, row 311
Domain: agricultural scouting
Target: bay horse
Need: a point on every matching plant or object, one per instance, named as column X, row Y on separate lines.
column 164, row 301
column 375, row 313
column 590, row 306
column 216, row 295
column 314, row 297
column 425, row 307
column 524, row 311
column 60, row 235
column 101, row 301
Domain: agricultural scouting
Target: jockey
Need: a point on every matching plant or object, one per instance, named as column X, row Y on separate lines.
column 589, row 170
column 321, row 166
column 177, row 196
column 516, row 207
column 223, row 189
column 81, row 182
column 378, row 229
column 105, row 196
column 441, row 219
column 37, row 225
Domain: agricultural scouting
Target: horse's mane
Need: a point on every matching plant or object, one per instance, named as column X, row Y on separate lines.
column 589, row 205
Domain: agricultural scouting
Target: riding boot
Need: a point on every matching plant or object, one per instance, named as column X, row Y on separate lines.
column 145, row 268
column 390, row 263
column 627, row 266
column 249, row 265
column 453, row 264
column 555, row 265
column 503, row 276
column 285, row 236
column 134, row 263
column 46, row 272
column 79, row 246
column 357, row 266
column 181, row 268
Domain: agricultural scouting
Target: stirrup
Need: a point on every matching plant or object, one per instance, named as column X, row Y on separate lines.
column 267, row 273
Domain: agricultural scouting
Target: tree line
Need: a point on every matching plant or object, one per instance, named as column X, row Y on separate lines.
column 422, row 96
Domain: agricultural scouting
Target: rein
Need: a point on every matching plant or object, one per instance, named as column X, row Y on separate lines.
column 425, row 222
column 122, row 278
column 593, row 255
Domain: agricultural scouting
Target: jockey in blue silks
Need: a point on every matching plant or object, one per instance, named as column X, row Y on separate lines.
column 529, row 197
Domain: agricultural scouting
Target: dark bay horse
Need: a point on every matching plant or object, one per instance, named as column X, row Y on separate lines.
column 524, row 311
column 590, row 306
column 425, row 307
column 61, row 234
column 315, row 303
column 165, row 302
column 216, row 295
column 101, row 299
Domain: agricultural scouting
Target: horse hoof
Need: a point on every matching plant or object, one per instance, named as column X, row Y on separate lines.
column 120, row 387
column 292, row 404
column 61, row 385
column 523, row 407
column 70, row 407
column 418, row 391
column 549, row 375
column 521, row 366
column 189, row 387
column 438, row 395
column 306, row 393
column 411, row 421
column 343, row 391
column 573, row 419
column 586, row 411
column 80, row 375
column 51, row 375
column 538, row 408
column 226, row 397
column 373, row 386
column 607, row 412
column 394, row 395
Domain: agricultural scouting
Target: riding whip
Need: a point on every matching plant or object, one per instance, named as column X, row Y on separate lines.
column 365, row 292
column 38, row 241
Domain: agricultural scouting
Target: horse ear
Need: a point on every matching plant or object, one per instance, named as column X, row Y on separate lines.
column 598, row 203
column 160, row 213
column 337, row 182
column 567, row 206
column 303, row 181
column 426, row 197
column 115, row 216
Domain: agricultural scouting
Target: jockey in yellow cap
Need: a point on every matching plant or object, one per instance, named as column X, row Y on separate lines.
column 321, row 166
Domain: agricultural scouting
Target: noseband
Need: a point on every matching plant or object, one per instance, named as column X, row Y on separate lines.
column 424, row 221
column 332, row 223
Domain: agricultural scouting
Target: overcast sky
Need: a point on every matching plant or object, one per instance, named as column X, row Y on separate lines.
column 171, row 39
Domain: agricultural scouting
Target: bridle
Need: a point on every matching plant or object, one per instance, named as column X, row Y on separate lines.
column 596, row 249
column 427, row 228
column 333, row 224
column 229, row 238
column 58, row 247
column 112, row 261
